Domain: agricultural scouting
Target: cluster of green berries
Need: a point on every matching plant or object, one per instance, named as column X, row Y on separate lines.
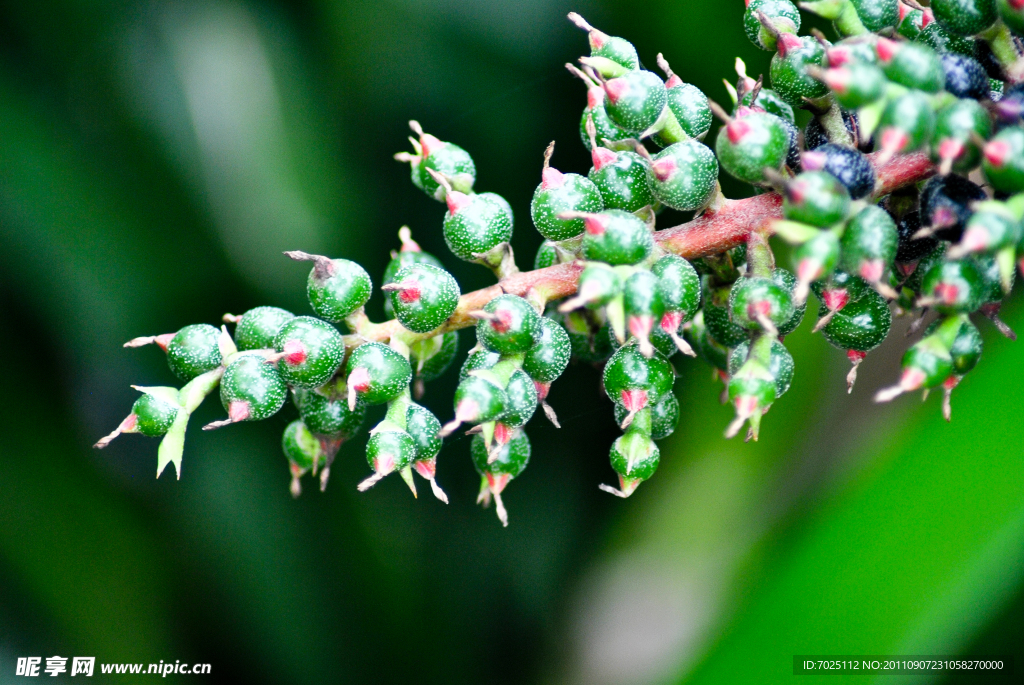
column 943, row 81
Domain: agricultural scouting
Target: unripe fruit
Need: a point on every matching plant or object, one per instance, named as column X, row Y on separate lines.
column 750, row 143
column 423, row 427
column 815, row 259
column 942, row 41
column 785, row 279
column 719, row 325
column 522, row 399
column 153, row 415
column 302, row 449
column 636, row 100
column 683, row 175
column 957, row 127
column 311, row 350
column 508, row 325
column 913, row 65
column 430, row 358
column 479, row 399
column 856, row 84
column 635, row 457
column 259, row 326
column 193, row 351
column 869, row 243
column 336, row 287
column 783, row 14
column 408, row 255
column 509, row 463
column 481, row 359
column 251, row 389
column 664, row 416
column 990, row 229
column 388, row 451
column 449, row 160
column 712, row 352
column 816, row 198
column 954, row 286
column 423, row 297
column 678, row 284
column 636, row 381
column 966, row 348
column 925, row 365
column 690, row 106
column 1003, row 161
column 617, row 51
column 770, row 102
column 906, row 124
column 327, row 416
column 549, row 357
column 588, row 337
column 559, row 193
column 912, row 22
column 964, row 17
column 475, row 224
column 598, row 285
column 643, row 306
column 616, row 237
column 546, row 256
column 376, row 374
column 789, row 75
column 861, row 325
column 1012, row 14
column 605, row 128
column 850, row 167
column 877, row 15
column 755, row 303
column 621, row 178
column 780, row 364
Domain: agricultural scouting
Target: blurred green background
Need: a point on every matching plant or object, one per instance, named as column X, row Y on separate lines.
column 155, row 159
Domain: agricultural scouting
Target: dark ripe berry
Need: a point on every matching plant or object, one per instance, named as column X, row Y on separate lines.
column 475, row 224
column 1012, row 14
column 964, row 17
column 616, row 237
column 522, row 399
column 690, row 106
column 153, row 415
column 480, row 399
column 1003, row 161
column 312, row 350
column 753, row 301
column 508, row 325
column 336, row 287
column 302, row 449
column 388, row 451
column 423, row 297
column 712, row 352
column 910, row 249
column 678, row 284
column 560, row 193
column 911, row 22
column 621, row 177
column 430, row 358
column 780, row 364
column 481, row 359
column 636, row 381
column 861, row 325
column 946, row 204
column 605, row 128
column 449, row 160
column 376, row 374
column 869, row 243
column 942, row 41
column 547, row 359
column 259, row 326
column 720, row 327
column 683, row 175
column 816, row 198
column 913, row 65
column 330, row 417
column 793, row 155
column 193, row 351
column 877, row 15
column 850, row 167
column 906, row 124
column 546, row 256
column 954, row 286
column 965, row 77
column 511, row 459
column 423, row 427
column 598, row 285
column 815, row 136
column 789, row 75
column 635, row 101
column 785, row 279
column 588, row 337
column 252, row 389
column 991, row 228
column 783, row 14
column 750, row 143
column 634, row 457
column 770, row 102
column 955, row 129
column 856, row 84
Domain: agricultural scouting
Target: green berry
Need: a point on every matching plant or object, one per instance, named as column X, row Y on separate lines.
column 376, row 374
column 752, row 389
column 635, row 457
column 757, row 298
column 621, row 178
column 409, row 254
column 301, row 447
column 1003, row 162
column 336, row 287
column 750, row 143
column 991, row 228
column 329, row 417
column 683, row 175
column 955, row 286
column 636, row 100
column 817, row 257
column 604, row 127
column 423, row 427
column 1012, row 14
column 549, row 357
column 636, row 381
column 509, row 463
column 877, row 15
column 906, row 124
column 869, row 243
column 964, row 17
column 479, row 399
column 856, row 84
column 926, row 364
column 690, row 106
column 423, row 297
column 508, row 325
column 955, row 129
column 312, row 351
column 716, row 317
column 780, row 364
column 522, row 399
column 449, row 160
column 616, row 237
column 559, row 193
column 252, row 389
column 153, row 415
column 860, row 325
column 643, row 304
column 658, row 337
column 816, row 198
column 913, row 65
column 664, row 416
column 259, row 326
column 430, row 358
column 789, row 76
column 678, row 284
column 784, row 15
column 785, row 279
column 481, row 359
column 475, row 224
column 193, row 351
column 911, row 25
column 942, row 41
column 546, row 256
column 388, row 451
column 770, row 102
column 712, row 352
column 598, row 285
column 966, row 348
column 613, row 54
